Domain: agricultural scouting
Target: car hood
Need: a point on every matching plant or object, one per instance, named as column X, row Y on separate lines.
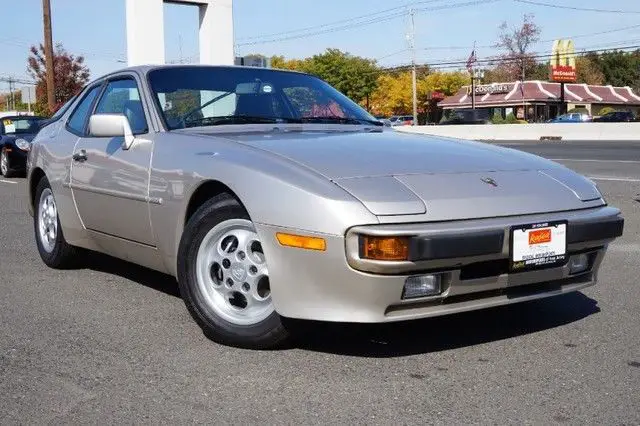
column 402, row 174
column 342, row 155
column 12, row 138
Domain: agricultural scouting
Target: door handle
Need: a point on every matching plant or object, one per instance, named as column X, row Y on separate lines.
column 80, row 156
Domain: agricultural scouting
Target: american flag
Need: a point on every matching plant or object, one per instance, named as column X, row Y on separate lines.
column 472, row 60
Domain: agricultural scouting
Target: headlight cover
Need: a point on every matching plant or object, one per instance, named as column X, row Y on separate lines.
column 23, row 144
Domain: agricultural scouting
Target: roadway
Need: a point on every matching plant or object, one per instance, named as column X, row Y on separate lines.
column 611, row 160
column 113, row 343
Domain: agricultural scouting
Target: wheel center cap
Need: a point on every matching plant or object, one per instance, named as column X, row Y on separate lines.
column 238, row 272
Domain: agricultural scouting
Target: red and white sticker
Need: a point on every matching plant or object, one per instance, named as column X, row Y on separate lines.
column 539, row 245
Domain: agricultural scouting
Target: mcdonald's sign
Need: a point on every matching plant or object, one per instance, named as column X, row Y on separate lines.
column 563, row 61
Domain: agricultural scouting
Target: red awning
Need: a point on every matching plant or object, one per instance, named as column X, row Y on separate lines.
column 515, row 93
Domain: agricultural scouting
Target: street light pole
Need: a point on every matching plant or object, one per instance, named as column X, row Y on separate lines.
column 48, row 52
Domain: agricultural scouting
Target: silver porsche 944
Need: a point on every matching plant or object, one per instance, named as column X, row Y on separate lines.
column 271, row 196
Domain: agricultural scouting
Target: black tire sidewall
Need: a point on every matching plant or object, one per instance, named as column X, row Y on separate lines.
column 266, row 334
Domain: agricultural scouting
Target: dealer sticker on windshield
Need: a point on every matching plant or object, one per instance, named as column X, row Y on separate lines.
column 538, row 245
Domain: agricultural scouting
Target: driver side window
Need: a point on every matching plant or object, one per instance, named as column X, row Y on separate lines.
column 79, row 116
column 122, row 97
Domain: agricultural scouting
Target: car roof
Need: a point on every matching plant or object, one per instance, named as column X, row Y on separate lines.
column 145, row 69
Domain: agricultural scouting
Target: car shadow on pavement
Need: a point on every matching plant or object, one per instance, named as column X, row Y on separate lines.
column 446, row 332
column 155, row 280
column 400, row 338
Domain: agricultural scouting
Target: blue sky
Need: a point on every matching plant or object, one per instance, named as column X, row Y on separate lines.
column 96, row 28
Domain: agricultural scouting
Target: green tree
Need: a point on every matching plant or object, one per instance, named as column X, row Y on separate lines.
column 538, row 71
column 14, row 102
column 280, row 62
column 497, row 75
column 588, row 70
column 446, row 82
column 620, row 68
column 354, row 76
column 393, row 94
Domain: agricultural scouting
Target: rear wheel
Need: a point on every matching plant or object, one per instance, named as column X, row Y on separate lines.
column 224, row 277
column 53, row 248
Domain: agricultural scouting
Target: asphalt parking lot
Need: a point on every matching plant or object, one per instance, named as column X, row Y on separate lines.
column 113, row 343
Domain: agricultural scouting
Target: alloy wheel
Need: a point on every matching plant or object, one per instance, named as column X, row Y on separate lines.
column 232, row 273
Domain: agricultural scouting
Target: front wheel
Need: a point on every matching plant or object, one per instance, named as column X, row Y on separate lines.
column 5, row 167
column 224, row 277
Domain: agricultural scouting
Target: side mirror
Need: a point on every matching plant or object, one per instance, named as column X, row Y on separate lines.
column 111, row 126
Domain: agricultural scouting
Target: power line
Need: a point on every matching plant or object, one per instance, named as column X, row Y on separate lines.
column 391, row 54
column 325, row 31
column 613, row 30
column 540, row 41
column 534, row 54
column 582, row 9
column 489, row 61
column 390, row 17
column 342, row 21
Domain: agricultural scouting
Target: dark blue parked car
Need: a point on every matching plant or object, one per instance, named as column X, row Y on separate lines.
column 16, row 134
column 574, row 117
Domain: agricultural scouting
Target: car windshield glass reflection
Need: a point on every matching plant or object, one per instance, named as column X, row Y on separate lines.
column 16, row 126
column 209, row 96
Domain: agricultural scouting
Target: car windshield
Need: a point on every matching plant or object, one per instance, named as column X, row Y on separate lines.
column 21, row 125
column 192, row 96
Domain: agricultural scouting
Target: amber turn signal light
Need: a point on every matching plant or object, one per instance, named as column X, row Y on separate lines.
column 385, row 248
column 300, row 241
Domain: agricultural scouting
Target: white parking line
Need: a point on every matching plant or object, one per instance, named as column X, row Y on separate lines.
column 595, row 161
column 617, row 179
column 8, row 181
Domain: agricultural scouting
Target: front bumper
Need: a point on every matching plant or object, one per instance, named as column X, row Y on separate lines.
column 337, row 285
column 17, row 158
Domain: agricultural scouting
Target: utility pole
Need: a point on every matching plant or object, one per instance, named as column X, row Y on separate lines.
column 524, row 109
column 48, row 52
column 411, row 38
column 11, row 96
column 472, row 71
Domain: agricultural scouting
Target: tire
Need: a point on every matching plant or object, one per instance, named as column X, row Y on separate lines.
column 225, row 291
column 54, row 251
column 5, row 165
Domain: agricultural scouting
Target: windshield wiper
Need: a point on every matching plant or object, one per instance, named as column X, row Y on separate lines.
column 336, row 119
column 236, row 119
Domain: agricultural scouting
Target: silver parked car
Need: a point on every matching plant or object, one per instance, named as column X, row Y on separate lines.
column 269, row 195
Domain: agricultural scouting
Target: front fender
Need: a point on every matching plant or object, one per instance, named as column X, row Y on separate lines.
column 275, row 191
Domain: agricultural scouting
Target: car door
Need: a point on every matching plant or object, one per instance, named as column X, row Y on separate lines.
column 111, row 184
